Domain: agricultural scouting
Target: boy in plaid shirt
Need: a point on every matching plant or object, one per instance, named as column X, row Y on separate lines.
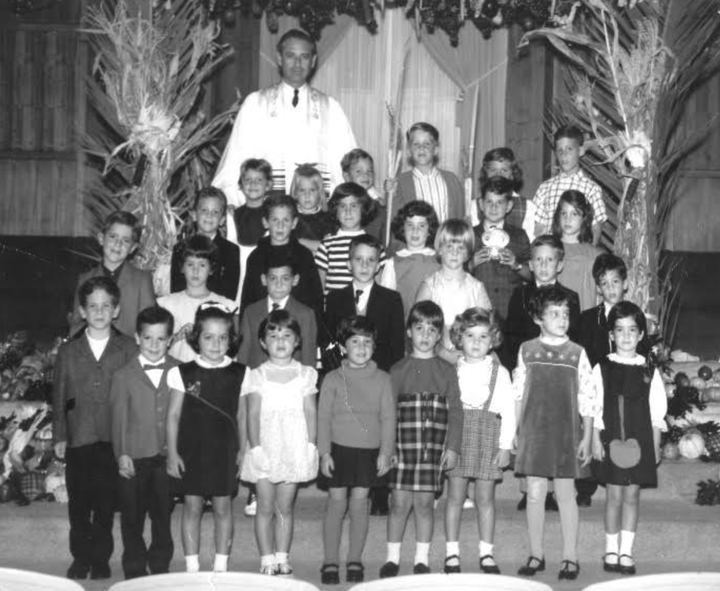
column 568, row 144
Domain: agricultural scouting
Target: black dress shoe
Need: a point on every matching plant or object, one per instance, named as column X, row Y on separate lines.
column 100, row 571
column 78, row 570
column 330, row 574
column 354, row 572
column 488, row 565
column 611, row 567
column 534, row 565
column 452, row 569
column 421, row 569
column 522, row 504
column 584, row 500
column 569, row 571
column 550, row 503
column 389, row 569
column 626, row 569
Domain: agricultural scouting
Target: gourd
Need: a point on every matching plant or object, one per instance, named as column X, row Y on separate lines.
column 691, row 445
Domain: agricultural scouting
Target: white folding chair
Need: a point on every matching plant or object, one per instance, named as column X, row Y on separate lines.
column 436, row 582
column 209, row 581
column 689, row 581
column 24, row 580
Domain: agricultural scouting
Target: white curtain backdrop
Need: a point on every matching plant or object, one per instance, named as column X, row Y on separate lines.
column 362, row 71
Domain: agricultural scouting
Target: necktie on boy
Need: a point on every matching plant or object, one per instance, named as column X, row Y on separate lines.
column 358, row 293
column 275, row 306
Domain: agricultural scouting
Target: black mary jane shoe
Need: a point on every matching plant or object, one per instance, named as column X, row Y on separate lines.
column 489, row 569
column 389, row 569
column 626, row 569
column 354, row 572
column 569, row 571
column 330, row 574
column 78, row 570
column 534, row 565
column 421, row 569
column 100, row 571
column 452, row 569
column 611, row 567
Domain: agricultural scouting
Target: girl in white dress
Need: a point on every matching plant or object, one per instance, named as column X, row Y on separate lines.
column 452, row 287
column 282, row 426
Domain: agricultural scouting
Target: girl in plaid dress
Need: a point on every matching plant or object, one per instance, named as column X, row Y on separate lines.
column 488, row 404
column 428, row 434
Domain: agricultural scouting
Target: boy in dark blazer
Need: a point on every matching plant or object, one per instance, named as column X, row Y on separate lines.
column 139, row 397
column 546, row 261
column 207, row 216
column 279, row 278
column 119, row 238
column 365, row 297
column 81, row 425
column 500, row 270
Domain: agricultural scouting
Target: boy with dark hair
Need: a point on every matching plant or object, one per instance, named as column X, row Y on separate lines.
column 207, row 216
column 568, row 145
column 503, row 250
column 546, row 259
column 119, row 239
column 358, row 167
column 81, row 425
column 279, row 277
column 362, row 296
column 139, row 398
column 280, row 217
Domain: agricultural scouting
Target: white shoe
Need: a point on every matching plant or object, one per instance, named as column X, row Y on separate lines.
column 283, row 568
column 251, row 508
column 269, row 569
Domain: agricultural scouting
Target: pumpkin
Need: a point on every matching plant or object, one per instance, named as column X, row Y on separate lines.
column 682, row 379
column 711, row 394
column 670, row 451
column 705, row 372
column 698, row 382
column 691, row 445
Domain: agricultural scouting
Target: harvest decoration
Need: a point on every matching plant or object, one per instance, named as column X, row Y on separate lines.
column 154, row 144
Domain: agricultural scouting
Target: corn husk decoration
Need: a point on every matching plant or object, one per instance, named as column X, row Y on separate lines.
column 146, row 88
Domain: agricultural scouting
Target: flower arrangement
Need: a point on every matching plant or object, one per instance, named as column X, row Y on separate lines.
column 26, row 371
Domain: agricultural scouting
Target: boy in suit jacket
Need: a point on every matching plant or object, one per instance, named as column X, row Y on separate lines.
column 500, row 271
column 207, row 216
column 546, row 261
column 119, row 238
column 81, row 426
column 364, row 297
column 139, row 397
column 279, row 277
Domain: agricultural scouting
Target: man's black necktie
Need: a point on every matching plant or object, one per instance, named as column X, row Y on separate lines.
column 358, row 293
column 295, row 97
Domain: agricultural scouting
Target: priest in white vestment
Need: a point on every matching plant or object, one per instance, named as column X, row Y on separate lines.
column 287, row 124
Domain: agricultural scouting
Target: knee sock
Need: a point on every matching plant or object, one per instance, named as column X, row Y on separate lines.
column 422, row 553
column 393, row 552
column 221, row 562
column 192, row 563
column 569, row 524
column 332, row 529
column 359, row 521
column 626, row 542
column 536, row 523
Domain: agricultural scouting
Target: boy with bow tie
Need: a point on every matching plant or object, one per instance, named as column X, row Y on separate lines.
column 139, row 398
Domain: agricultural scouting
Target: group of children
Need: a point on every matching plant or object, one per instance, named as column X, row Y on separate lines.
column 217, row 381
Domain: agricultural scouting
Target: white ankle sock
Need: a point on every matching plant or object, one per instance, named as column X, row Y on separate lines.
column 485, row 549
column 626, row 542
column 221, row 562
column 422, row 553
column 452, row 548
column 612, row 543
column 192, row 563
column 393, row 552
column 281, row 557
column 267, row 560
